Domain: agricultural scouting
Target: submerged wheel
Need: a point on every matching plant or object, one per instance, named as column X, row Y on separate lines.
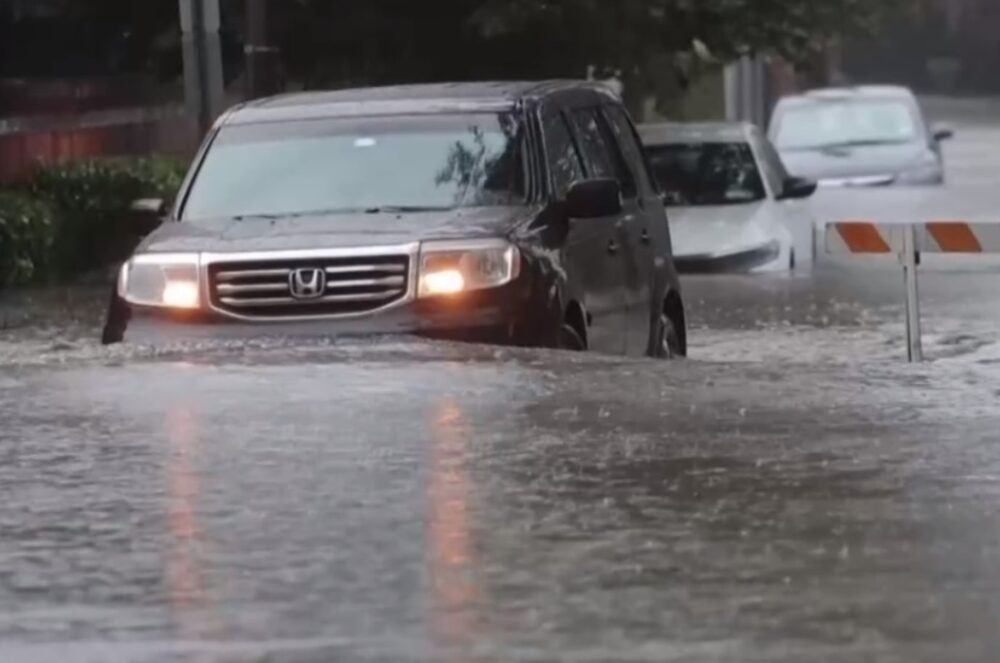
column 570, row 339
column 668, row 341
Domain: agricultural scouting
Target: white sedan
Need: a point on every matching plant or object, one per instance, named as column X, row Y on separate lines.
column 732, row 204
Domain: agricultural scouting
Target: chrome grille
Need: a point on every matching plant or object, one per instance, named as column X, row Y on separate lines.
column 263, row 288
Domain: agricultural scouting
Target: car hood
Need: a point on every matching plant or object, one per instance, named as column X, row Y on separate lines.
column 332, row 231
column 721, row 230
column 847, row 162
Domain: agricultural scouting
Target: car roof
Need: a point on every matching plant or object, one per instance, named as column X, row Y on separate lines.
column 670, row 133
column 496, row 96
column 841, row 94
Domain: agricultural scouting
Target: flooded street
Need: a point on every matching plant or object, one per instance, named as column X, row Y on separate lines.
column 794, row 492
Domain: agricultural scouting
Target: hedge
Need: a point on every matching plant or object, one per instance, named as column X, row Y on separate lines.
column 27, row 235
column 76, row 217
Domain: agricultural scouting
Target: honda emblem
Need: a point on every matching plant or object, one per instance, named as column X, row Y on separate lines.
column 307, row 283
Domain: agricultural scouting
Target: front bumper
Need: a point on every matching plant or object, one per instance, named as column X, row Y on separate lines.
column 507, row 315
column 738, row 261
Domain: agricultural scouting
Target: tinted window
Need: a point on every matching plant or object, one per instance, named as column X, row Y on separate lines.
column 622, row 127
column 600, row 150
column 707, row 173
column 433, row 161
column 595, row 153
column 846, row 123
column 563, row 159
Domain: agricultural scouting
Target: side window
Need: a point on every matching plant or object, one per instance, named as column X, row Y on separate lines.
column 627, row 138
column 770, row 162
column 600, row 150
column 564, row 162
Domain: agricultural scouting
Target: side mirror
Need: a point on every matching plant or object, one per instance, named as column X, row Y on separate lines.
column 157, row 206
column 942, row 132
column 146, row 215
column 592, row 199
column 796, row 188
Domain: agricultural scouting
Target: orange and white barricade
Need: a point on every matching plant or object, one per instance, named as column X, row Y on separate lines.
column 908, row 241
column 945, row 236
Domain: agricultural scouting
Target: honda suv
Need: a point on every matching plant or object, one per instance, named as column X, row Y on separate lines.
column 513, row 213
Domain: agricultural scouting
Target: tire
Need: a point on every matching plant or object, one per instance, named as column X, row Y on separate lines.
column 668, row 341
column 116, row 320
column 570, row 339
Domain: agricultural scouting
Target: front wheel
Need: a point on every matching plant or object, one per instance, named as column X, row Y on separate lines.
column 570, row 339
column 668, row 341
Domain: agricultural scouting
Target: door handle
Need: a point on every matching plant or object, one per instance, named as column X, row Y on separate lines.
column 612, row 248
column 644, row 237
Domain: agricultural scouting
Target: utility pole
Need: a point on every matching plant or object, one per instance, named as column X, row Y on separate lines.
column 746, row 91
column 203, row 81
column 261, row 56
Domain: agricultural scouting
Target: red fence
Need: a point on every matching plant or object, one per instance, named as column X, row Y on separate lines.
column 27, row 142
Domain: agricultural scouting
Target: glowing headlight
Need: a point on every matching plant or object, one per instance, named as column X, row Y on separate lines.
column 449, row 268
column 168, row 280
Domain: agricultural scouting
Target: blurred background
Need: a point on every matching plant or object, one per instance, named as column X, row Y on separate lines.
column 107, row 77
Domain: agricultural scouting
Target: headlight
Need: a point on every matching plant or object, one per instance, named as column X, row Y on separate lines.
column 168, row 280
column 449, row 268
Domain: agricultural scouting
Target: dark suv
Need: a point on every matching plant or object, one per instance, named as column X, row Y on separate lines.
column 515, row 213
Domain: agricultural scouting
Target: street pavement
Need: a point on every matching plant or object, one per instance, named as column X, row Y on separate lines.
column 794, row 492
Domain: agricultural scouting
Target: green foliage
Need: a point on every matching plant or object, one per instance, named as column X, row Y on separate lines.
column 75, row 217
column 386, row 40
column 27, row 233
column 93, row 200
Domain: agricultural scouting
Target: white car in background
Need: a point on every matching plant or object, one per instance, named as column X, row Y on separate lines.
column 731, row 204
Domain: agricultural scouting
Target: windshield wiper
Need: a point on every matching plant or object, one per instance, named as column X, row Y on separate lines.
column 873, row 142
column 383, row 209
column 274, row 216
column 405, row 209
column 266, row 217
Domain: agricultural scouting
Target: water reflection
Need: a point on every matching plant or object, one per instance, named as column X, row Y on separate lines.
column 190, row 602
column 455, row 592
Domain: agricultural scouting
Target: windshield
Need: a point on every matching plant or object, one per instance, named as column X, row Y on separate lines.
column 707, row 173
column 831, row 124
column 369, row 164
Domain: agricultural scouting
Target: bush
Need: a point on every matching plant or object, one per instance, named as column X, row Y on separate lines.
column 27, row 232
column 92, row 200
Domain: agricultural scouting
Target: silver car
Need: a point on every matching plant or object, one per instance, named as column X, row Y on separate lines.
column 860, row 136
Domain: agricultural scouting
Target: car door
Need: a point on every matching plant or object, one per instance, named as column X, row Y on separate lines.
column 794, row 215
column 593, row 247
column 645, row 226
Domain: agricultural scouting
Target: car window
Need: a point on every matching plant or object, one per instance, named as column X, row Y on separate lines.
column 565, row 166
column 354, row 164
column 601, row 153
column 625, row 133
column 595, row 154
column 700, row 173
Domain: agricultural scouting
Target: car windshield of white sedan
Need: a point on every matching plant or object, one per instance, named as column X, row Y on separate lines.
column 693, row 174
column 412, row 163
column 846, row 124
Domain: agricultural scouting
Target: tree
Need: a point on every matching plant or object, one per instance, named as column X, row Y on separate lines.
column 343, row 43
column 641, row 38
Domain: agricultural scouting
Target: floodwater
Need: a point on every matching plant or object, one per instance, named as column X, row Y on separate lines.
column 794, row 492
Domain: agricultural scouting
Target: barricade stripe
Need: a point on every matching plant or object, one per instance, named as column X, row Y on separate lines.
column 954, row 237
column 863, row 237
